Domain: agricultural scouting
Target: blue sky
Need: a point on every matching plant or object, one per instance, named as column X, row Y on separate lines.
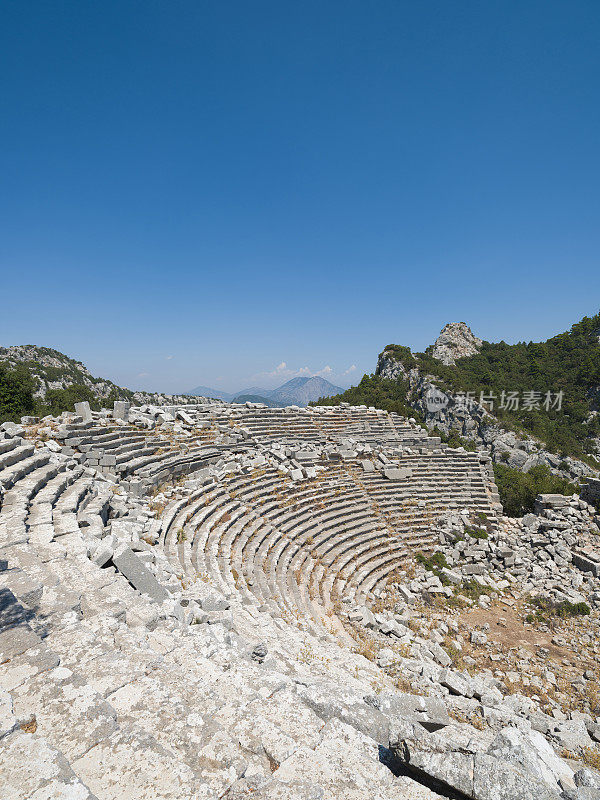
column 202, row 192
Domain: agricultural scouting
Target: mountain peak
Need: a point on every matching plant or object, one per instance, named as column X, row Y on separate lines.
column 303, row 390
column 456, row 340
column 297, row 391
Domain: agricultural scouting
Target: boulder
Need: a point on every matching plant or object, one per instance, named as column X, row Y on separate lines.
column 330, row 702
column 531, row 752
column 430, row 712
column 84, row 411
column 460, row 760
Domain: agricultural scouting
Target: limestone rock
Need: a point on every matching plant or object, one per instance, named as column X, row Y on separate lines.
column 455, row 341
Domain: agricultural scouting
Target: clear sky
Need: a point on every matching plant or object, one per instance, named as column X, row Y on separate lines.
column 226, row 193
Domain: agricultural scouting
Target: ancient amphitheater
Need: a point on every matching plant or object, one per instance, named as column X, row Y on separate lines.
column 176, row 585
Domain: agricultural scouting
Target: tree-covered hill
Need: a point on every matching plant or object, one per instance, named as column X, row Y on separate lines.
column 568, row 363
column 35, row 381
column 31, row 387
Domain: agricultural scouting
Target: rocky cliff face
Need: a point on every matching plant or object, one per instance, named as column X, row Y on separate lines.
column 456, row 340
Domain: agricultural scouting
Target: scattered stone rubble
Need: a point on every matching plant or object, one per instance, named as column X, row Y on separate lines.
column 221, row 601
column 553, row 555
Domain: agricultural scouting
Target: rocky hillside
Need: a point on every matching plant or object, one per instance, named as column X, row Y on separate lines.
column 528, row 404
column 52, row 370
column 40, row 380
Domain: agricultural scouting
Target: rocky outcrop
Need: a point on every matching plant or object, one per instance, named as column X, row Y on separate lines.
column 389, row 367
column 514, row 766
column 456, row 340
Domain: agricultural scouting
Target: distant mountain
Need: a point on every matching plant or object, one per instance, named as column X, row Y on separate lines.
column 255, row 390
column 302, row 391
column 257, row 398
column 206, row 391
column 297, row 392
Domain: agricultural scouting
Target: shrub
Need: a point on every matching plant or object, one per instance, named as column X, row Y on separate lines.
column 59, row 400
column 472, row 590
column 545, row 608
column 16, row 394
column 567, row 609
column 453, row 439
column 402, row 354
column 432, row 563
column 476, row 533
column 518, row 490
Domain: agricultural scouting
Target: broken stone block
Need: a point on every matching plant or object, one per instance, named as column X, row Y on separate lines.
column 456, row 683
column 15, row 641
column 430, row 712
column 572, row 734
column 531, row 752
column 452, row 576
column 84, row 411
column 121, row 409
column 586, row 564
column 397, row 473
column 347, row 706
column 126, row 561
column 104, row 551
column 478, row 638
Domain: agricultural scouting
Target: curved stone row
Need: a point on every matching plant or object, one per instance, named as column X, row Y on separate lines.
column 306, row 546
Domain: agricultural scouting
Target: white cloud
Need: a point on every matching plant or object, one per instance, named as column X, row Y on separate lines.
column 143, row 374
column 168, row 358
column 282, row 371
